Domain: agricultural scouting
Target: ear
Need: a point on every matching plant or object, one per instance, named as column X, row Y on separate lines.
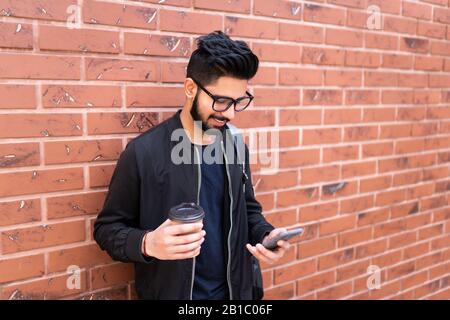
column 190, row 88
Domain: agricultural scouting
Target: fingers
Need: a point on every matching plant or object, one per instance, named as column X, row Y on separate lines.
column 185, row 248
column 186, row 255
column 185, row 239
column 185, row 228
column 263, row 254
column 254, row 251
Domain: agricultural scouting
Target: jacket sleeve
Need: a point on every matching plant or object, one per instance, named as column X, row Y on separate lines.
column 116, row 228
column 257, row 225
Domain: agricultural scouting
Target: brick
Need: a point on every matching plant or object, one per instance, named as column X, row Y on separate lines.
column 121, row 122
column 324, row 173
column 82, row 256
column 82, row 151
column 21, row 268
column 375, row 149
column 336, row 258
column 387, row 7
column 301, row 33
column 343, row 78
column 442, row 15
column 300, row 76
column 182, row 21
column 42, row 236
column 360, row 133
column 353, row 97
column 283, row 218
column 264, row 75
column 281, row 180
column 27, row 66
column 300, row 117
column 294, row 271
column 125, row 70
column 40, row 181
column 299, row 158
column 355, row 236
column 417, row 10
column 276, row 9
column 316, row 247
column 110, row 275
column 16, row 35
column 156, row 45
column 295, row 197
column 322, row 97
column 318, row 212
column 252, row 118
column 14, row 96
column 428, row 63
column 323, row 56
column 381, row 41
column 357, row 19
column 119, row 15
column 343, row 153
column 431, row 30
column 277, row 97
column 337, row 225
column 321, row 136
column 417, row 45
column 280, row 292
column 362, row 59
column 243, row 6
column 370, row 249
column 335, row 292
column 277, row 52
column 23, row 211
column 75, row 205
column 342, row 115
column 353, row 270
column 100, row 176
column 316, row 282
column 38, row 9
column 400, row 25
column 44, row 288
column 78, row 40
column 345, row 38
column 69, row 96
column 19, row 155
column 397, row 61
column 321, row 14
column 357, row 204
column 155, row 96
column 242, row 27
column 40, row 125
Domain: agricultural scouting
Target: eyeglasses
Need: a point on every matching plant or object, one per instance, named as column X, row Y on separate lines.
column 222, row 103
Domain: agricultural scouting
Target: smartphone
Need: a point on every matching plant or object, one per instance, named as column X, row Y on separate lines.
column 271, row 244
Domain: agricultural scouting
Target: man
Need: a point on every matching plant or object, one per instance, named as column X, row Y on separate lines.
column 211, row 259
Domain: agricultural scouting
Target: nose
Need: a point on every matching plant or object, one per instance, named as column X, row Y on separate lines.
column 229, row 114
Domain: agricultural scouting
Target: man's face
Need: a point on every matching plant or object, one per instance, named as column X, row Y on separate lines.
column 202, row 105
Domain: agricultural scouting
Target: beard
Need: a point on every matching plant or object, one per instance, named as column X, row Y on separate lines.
column 195, row 113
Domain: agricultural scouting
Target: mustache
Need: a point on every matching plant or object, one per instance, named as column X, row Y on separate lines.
column 220, row 118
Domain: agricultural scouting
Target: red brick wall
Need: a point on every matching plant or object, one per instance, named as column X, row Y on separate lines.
column 362, row 109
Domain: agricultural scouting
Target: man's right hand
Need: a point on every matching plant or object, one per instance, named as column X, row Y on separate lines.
column 174, row 241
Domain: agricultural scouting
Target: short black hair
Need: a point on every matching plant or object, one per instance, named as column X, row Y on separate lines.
column 217, row 55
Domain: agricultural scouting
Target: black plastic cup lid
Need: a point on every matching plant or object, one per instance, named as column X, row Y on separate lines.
column 186, row 212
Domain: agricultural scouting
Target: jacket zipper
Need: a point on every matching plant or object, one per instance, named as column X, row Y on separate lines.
column 231, row 221
column 199, row 175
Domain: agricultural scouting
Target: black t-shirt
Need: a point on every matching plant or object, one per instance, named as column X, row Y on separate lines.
column 210, row 280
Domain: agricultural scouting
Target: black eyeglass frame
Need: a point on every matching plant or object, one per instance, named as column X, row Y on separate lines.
column 233, row 102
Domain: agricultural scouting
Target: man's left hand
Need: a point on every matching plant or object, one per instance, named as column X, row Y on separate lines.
column 266, row 255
